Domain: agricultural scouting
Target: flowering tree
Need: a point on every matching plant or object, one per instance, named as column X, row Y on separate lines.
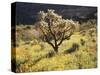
column 55, row 27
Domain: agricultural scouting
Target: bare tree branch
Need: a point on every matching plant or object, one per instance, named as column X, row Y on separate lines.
column 46, row 38
column 62, row 38
column 51, row 32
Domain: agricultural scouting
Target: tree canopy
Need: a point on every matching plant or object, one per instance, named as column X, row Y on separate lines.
column 53, row 26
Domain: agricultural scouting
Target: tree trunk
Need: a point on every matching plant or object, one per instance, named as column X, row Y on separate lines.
column 56, row 49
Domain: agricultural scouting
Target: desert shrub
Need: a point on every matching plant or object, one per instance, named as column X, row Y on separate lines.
column 83, row 32
column 27, row 36
column 89, row 24
column 18, row 38
column 22, row 55
column 92, row 35
column 85, row 60
column 27, row 27
column 50, row 54
column 82, row 41
column 42, row 45
column 25, row 33
column 74, row 47
column 92, row 32
column 36, row 48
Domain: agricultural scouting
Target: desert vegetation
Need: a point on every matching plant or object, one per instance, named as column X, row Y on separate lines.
column 54, row 43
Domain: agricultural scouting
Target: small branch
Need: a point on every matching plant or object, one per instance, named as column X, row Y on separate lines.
column 61, row 38
column 46, row 38
column 53, row 34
